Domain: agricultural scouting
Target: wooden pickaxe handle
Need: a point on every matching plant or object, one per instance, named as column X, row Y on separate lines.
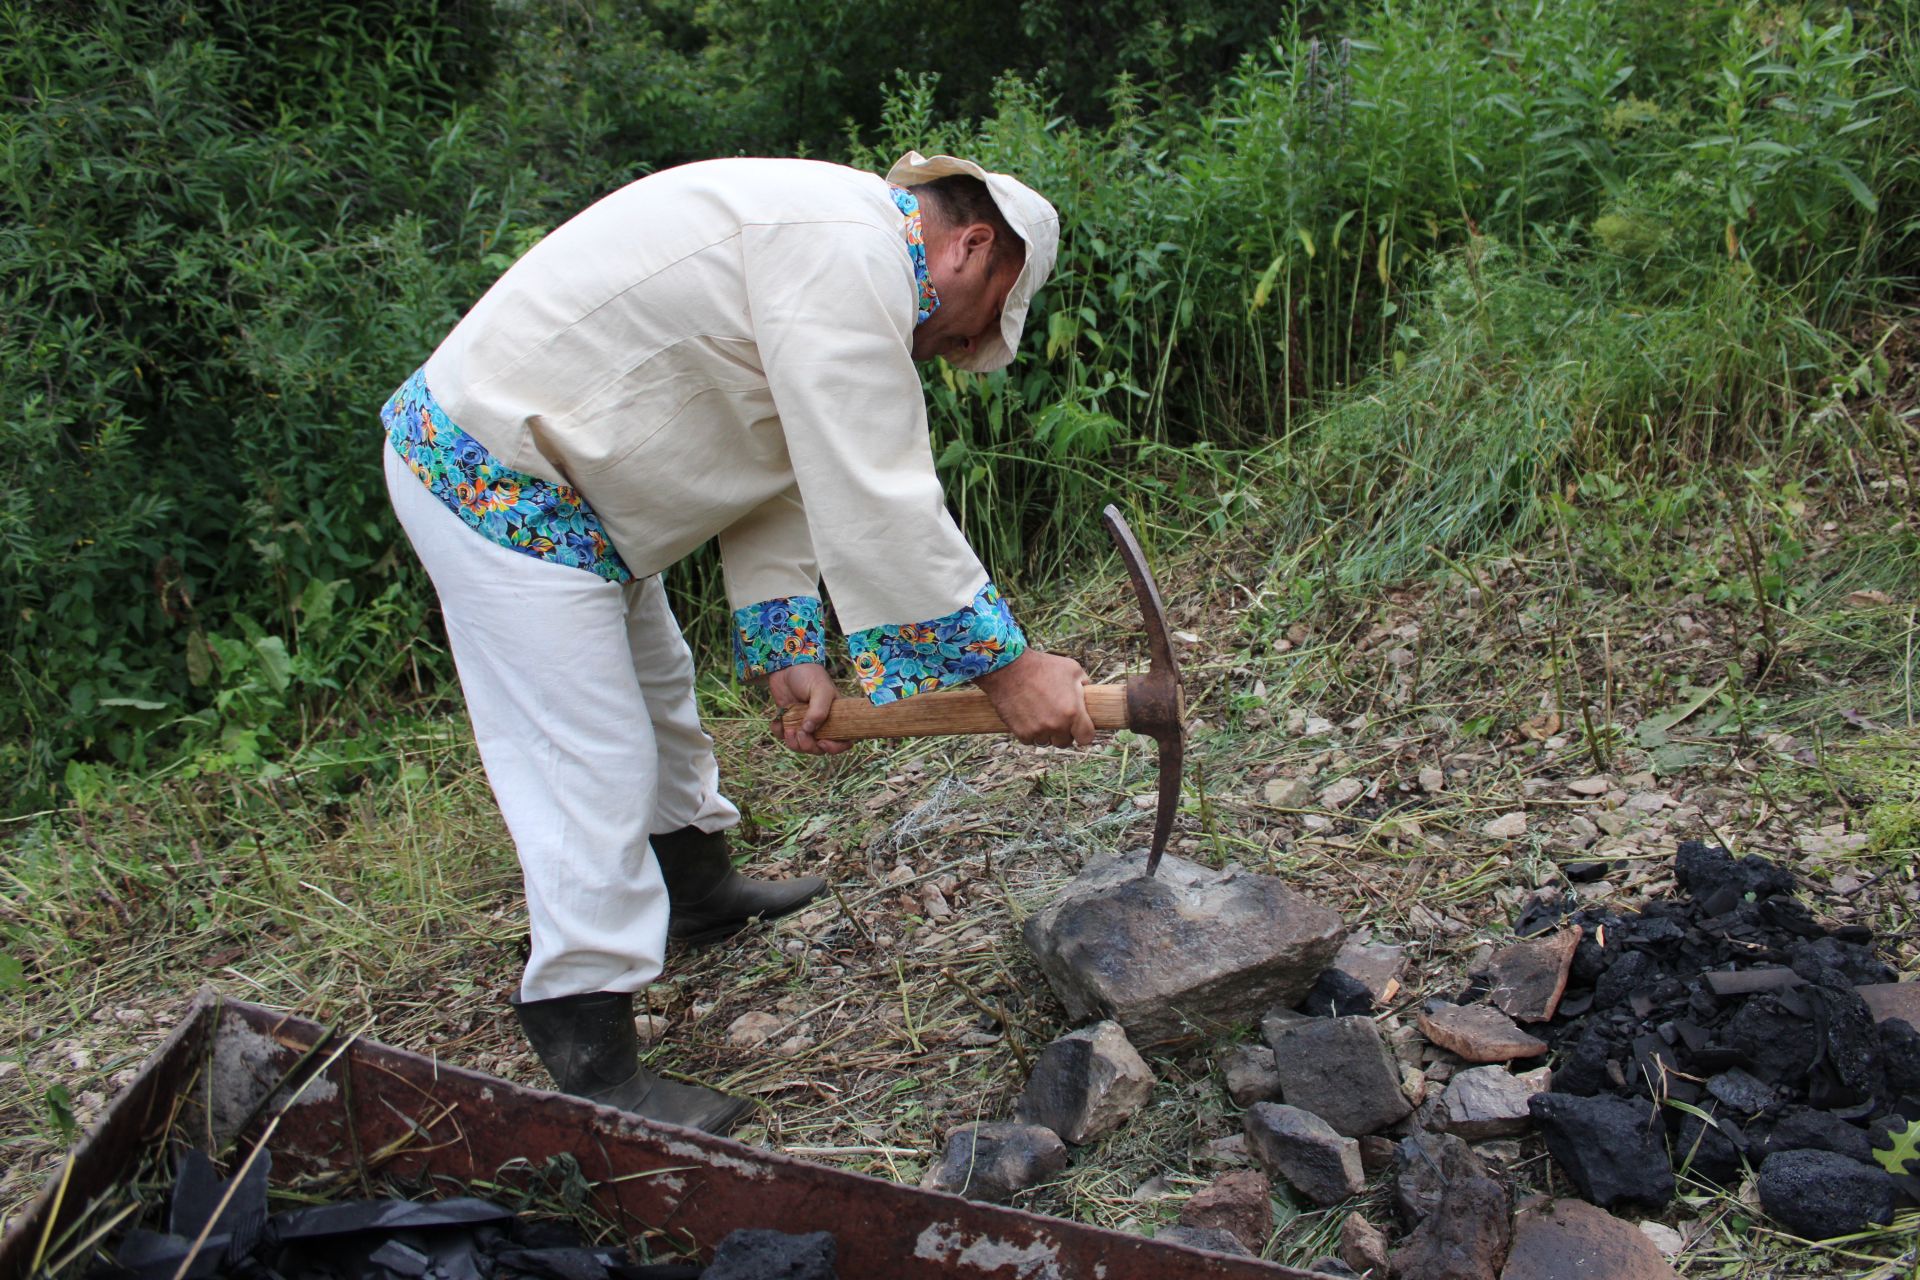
column 964, row 710
column 1151, row 704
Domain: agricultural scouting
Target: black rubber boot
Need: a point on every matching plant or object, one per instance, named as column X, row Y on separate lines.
column 710, row 900
column 589, row 1046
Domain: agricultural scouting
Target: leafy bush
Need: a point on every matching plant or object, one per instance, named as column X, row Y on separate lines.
column 220, row 254
column 1390, row 270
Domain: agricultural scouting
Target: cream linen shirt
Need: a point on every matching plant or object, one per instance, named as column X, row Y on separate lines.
column 724, row 349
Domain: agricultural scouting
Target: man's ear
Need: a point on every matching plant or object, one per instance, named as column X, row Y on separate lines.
column 976, row 243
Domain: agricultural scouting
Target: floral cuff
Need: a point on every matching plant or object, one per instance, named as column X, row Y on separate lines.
column 777, row 633
column 898, row 661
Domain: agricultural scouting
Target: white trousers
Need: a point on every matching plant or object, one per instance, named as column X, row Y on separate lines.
column 580, row 692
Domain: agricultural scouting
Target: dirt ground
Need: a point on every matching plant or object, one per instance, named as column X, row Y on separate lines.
column 905, row 1003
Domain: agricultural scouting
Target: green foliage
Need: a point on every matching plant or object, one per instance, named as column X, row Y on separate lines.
column 1903, row 1151
column 1390, row 277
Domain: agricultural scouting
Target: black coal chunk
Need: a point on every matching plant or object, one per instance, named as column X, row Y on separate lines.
column 1583, row 1071
column 1809, row 1129
column 1900, row 1055
column 1777, row 1044
column 1742, row 1092
column 1789, row 915
column 1337, row 994
column 1614, row 1149
column 1847, row 1069
column 1820, row 1194
column 1700, row 868
column 1851, row 965
column 1706, row 1151
column 1627, row 974
column 1764, row 879
column 772, row 1255
column 1543, row 914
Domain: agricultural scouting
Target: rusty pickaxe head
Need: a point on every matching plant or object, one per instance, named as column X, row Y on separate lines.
column 1156, row 704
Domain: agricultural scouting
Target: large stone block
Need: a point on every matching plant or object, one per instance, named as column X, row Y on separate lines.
column 1190, row 950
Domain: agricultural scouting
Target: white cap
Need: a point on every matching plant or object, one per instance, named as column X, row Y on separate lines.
column 1029, row 214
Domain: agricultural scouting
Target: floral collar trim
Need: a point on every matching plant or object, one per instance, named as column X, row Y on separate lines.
column 909, row 205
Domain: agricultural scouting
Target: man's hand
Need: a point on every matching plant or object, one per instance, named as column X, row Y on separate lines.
column 1038, row 695
column 808, row 685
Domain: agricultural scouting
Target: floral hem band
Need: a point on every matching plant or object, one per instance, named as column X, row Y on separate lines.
column 518, row 511
column 891, row 662
column 894, row 662
column 778, row 633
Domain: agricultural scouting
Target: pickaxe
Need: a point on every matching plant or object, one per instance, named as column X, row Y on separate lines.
column 1152, row 704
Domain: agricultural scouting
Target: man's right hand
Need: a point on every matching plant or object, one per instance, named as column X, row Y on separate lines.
column 1038, row 695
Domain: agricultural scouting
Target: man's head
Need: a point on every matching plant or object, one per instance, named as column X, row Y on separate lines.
column 990, row 245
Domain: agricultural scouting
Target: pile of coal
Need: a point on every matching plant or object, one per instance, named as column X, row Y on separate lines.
column 1799, row 1082
column 221, row 1228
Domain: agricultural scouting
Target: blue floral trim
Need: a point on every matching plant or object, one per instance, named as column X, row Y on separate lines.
column 518, row 511
column 897, row 661
column 778, row 633
column 909, row 205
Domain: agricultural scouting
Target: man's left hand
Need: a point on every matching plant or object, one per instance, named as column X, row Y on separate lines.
column 808, row 685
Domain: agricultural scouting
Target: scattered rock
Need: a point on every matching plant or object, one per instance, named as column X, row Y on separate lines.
column 1339, row 1069
column 1614, row 822
column 1304, row 1150
column 992, row 1160
column 1614, row 1149
column 1427, row 1162
column 1490, row 1102
column 1432, row 780
column 1240, row 1203
column 753, row 1254
column 1204, row 1238
column 1508, row 826
column 1818, row 1195
column 1288, row 793
column 1669, row 1242
column 650, row 1027
column 751, row 1030
column 1376, row 1152
column 1590, row 786
column 1342, row 793
column 1530, row 976
column 1464, row 1238
column 934, row 902
column 1250, row 1074
column 1190, row 947
column 1477, row 1032
column 1085, row 1084
column 1377, row 964
column 1363, row 1246
column 1572, row 1240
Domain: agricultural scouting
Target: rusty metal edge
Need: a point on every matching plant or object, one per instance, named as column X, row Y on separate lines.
column 696, row 1184
column 100, row 1159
